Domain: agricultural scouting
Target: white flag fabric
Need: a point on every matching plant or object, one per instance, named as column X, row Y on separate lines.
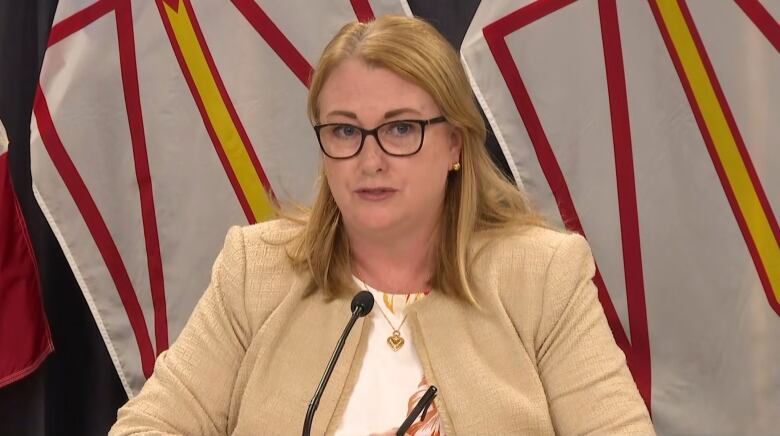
column 652, row 128
column 159, row 124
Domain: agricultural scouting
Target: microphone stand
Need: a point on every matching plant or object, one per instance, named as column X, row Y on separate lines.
column 358, row 310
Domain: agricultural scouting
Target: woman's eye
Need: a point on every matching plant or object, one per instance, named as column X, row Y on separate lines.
column 345, row 131
column 401, row 129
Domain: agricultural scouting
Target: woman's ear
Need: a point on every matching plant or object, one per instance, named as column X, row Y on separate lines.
column 456, row 144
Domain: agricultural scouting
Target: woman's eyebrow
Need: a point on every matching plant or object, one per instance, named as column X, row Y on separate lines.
column 389, row 114
column 343, row 113
column 396, row 112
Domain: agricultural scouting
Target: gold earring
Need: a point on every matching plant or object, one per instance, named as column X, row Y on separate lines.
column 456, row 166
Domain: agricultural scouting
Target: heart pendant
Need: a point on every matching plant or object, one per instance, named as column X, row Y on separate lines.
column 395, row 341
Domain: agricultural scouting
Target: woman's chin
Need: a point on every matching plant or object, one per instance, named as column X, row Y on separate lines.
column 375, row 224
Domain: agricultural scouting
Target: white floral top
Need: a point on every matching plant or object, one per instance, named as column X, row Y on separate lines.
column 390, row 383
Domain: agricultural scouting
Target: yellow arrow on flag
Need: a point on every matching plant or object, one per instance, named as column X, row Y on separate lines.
column 230, row 139
column 736, row 167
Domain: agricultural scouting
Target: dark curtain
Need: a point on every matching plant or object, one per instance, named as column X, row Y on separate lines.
column 77, row 391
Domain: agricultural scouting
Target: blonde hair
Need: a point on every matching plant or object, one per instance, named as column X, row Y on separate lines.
column 477, row 198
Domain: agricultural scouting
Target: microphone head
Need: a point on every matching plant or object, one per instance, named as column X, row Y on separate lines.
column 364, row 301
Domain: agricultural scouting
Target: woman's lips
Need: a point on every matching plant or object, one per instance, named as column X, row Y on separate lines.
column 375, row 194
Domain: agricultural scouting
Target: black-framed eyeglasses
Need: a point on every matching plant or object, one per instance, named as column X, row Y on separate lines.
column 396, row 138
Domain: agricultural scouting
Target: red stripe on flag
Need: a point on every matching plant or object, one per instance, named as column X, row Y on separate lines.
column 80, row 20
column 97, row 228
column 363, row 10
column 275, row 39
column 761, row 18
column 25, row 339
column 129, row 70
column 626, row 190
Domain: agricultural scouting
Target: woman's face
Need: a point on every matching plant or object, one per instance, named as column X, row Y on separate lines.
column 376, row 191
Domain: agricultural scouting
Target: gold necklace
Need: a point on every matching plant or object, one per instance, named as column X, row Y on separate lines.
column 395, row 341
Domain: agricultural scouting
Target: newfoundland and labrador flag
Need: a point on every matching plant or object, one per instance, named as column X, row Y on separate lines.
column 653, row 128
column 156, row 126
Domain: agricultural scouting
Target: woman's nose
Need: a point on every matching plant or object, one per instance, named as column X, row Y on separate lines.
column 372, row 158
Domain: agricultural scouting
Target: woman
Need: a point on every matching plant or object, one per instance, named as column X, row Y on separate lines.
column 475, row 294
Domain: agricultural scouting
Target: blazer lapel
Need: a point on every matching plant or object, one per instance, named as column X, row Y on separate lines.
column 291, row 362
column 332, row 317
column 432, row 316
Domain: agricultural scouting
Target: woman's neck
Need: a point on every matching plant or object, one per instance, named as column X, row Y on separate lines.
column 399, row 265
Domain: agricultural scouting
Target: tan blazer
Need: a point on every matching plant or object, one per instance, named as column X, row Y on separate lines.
column 537, row 359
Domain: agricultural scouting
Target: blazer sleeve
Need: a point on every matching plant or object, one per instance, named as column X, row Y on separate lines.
column 588, row 385
column 190, row 390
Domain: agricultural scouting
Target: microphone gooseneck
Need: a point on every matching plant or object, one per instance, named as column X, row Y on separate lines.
column 362, row 303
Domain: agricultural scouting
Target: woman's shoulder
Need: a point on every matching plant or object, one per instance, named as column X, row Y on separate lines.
column 278, row 231
column 522, row 263
column 531, row 242
column 256, row 256
column 535, row 272
column 263, row 244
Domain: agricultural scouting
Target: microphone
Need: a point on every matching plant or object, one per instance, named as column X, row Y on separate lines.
column 362, row 303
